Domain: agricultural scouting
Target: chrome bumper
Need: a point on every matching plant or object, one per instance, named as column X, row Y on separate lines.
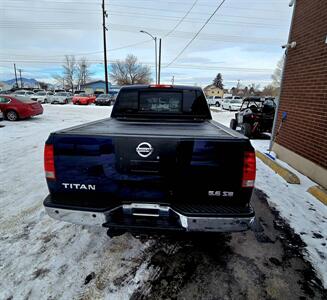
column 186, row 223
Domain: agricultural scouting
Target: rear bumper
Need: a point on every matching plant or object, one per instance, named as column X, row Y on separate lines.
column 141, row 218
column 32, row 113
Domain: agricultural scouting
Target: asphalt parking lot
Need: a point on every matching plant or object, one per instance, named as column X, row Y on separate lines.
column 266, row 264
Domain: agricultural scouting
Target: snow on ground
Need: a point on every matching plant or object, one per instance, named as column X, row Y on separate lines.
column 305, row 214
column 41, row 258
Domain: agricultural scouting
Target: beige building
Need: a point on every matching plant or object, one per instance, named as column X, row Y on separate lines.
column 212, row 90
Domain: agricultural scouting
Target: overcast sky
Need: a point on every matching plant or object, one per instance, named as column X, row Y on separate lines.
column 242, row 40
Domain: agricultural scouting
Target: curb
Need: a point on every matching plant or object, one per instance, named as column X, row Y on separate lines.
column 289, row 176
column 319, row 193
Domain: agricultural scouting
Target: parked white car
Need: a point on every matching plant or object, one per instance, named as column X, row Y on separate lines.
column 232, row 104
column 41, row 96
column 61, row 98
column 214, row 100
column 23, row 93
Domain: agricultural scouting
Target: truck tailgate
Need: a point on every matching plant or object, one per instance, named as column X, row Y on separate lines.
column 201, row 165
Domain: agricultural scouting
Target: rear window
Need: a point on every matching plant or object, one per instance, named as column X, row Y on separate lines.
column 161, row 102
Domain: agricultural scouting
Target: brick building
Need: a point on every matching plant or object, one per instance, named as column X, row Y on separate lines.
column 302, row 139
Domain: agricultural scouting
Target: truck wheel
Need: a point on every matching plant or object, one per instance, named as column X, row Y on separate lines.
column 233, row 124
column 11, row 115
column 217, row 104
column 246, row 129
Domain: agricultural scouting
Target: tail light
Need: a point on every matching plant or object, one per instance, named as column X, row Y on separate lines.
column 161, row 86
column 249, row 169
column 49, row 166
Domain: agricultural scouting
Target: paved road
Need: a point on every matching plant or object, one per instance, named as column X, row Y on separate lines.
column 267, row 264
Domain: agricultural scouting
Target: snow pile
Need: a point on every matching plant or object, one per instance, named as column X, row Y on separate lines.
column 305, row 214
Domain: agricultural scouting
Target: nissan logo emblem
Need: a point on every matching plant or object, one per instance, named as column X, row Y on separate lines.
column 144, row 149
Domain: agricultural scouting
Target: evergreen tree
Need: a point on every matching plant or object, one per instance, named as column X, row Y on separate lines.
column 218, row 81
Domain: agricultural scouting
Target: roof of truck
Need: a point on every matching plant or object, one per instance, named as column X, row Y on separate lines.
column 164, row 86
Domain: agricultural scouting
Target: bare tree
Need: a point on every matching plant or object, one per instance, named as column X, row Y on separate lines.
column 43, row 85
column 129, row 71
column 83, row 72
column 270, row 90
column 254, row 88
column 60, row 80
column 277, row 76
column 70, row 71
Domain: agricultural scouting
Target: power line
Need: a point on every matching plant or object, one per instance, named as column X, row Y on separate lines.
column 188, row 34
column 182, row 19
column 140, row 8
column 143, row 16
column 190, row 42
column 88, row 11
column 176, row 66
column 81, row 53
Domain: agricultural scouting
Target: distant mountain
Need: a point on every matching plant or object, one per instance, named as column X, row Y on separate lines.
column 27, row 82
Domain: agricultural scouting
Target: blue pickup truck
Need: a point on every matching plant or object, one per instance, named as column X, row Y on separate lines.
column 158, row 164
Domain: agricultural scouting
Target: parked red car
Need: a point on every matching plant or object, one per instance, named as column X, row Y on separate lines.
column 15, row 108
column 84, row 99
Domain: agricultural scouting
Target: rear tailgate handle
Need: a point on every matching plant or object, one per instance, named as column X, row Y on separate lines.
column 145, row 213
column 145, row 209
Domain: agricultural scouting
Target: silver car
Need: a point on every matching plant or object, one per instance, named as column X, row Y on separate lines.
column 61, row 98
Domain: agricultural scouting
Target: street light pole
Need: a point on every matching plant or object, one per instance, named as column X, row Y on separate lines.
column 159, row 66
column 155, row 52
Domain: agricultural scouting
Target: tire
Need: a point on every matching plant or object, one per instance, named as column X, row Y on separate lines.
column 217, row 104
column 45, row 101
column 66, row 101
column 246, row 129
column 233, row 124
column 230, row 109
column 11, row 115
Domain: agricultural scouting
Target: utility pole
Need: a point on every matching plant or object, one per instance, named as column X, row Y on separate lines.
column 159, row 67
column 104, row 28
column 20, row 75
column 16, row 76
column 173, row 80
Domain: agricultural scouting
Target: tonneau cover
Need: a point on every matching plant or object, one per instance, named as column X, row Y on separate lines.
column 113, row 127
